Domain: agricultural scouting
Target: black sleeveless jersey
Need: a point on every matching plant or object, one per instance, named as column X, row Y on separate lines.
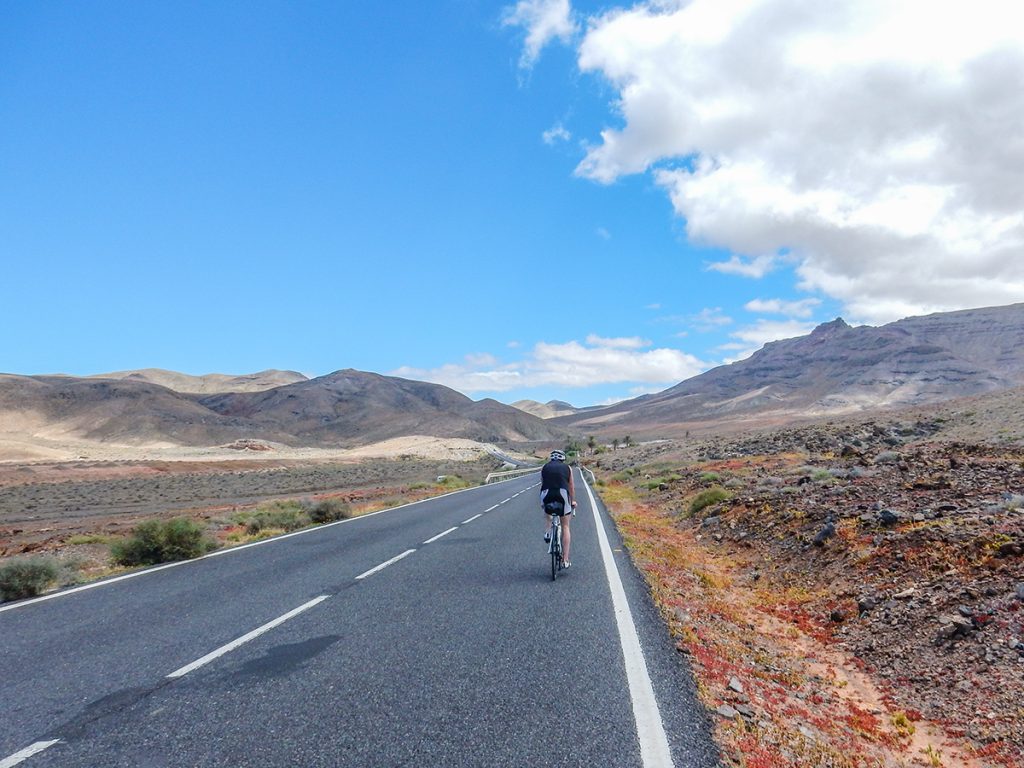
column 555, row 476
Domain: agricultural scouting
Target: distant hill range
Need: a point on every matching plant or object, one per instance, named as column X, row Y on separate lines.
column 549, row 410
column 836, row 369
column 342, row 409
column 210, row 383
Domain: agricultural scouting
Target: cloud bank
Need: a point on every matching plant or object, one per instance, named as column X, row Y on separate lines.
column 597, row 361
column 875, row 145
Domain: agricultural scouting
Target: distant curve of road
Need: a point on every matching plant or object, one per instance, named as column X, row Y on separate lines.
column 429, row 634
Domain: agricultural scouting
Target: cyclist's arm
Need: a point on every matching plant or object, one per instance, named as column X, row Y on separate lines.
column 572, row 489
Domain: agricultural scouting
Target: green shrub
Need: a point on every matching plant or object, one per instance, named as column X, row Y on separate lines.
column 707, row 498
column 26, row 577
column 161, row 541
column 88, row 538
column 454, row 482
column 286, row 515
column 711, row 477
column 329, row 511
column 734, row 482
column 822, row 476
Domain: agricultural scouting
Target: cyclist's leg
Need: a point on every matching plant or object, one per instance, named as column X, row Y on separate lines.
column 565, row 537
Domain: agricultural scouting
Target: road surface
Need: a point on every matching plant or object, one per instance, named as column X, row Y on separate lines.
column 425, row 635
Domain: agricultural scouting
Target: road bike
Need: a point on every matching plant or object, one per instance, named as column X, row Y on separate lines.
column 555, row 545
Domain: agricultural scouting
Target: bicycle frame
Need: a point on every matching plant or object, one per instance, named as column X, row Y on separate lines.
column 555, row 547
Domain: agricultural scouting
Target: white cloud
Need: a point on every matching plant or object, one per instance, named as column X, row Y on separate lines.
column 572, row 364
column 752, row 337
column 710, row 318
column 801, row 308
column 757, row 267
column 604, row 234
column 555, row 133
column 631, row 342
column 877, row 142
column 653, row 306
column 544, row 21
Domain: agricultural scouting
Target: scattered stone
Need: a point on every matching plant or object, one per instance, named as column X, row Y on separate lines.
column 888, row 517
column 735, row 685
column 727, row 712
column 1011, row 549
column 867, row 604
column 746, row 711
column 906, row 594
column 1020, row 591
column 837, row 616
column 825, row 534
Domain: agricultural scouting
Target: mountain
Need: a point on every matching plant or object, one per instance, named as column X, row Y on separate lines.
column 128, row 412
column 346, row 408
column 354, row 407
column 836, row 369
column 549, row 410
column 209, row 383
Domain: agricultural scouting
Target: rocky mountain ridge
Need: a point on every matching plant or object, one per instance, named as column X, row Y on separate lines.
column 836, row 369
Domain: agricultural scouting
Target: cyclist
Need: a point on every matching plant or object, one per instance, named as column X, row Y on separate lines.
column 558, row 497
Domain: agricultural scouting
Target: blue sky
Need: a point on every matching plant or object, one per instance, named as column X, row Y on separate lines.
column 405, row 188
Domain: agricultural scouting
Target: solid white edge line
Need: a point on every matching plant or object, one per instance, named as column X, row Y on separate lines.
column 432, row 539
column 26, row 753
column 219, row 552
column 385, row 564
column 474, row 517
column 245, row 638
column 654, row 749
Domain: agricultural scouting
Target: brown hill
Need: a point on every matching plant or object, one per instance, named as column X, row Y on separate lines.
column 210, row 383
column 103, row 410
column 548, row 410
column 346, row 408
column 836, row 369
column 352, row 407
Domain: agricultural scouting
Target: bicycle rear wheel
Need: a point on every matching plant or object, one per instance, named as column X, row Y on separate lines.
column 556, row 551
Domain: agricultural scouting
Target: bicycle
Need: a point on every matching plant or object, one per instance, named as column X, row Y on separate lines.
column 555, row 545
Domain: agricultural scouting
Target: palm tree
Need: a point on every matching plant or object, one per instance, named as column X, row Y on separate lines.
column 615, row 443
column 591, row 443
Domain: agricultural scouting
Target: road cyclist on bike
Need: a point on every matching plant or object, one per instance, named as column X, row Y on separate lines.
column 558, row 497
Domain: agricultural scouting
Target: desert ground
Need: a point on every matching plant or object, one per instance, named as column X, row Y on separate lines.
column 848, row 593
column 108, row 489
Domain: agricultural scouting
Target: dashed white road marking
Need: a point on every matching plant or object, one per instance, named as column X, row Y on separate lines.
column 222, row 552
column 245, row 638
column 432, row 539
column 490, row 508
column 26, row 753
column 474, row 517
column 654, row 749
column 385, row 564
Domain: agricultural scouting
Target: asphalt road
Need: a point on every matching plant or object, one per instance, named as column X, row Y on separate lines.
column 303, row 651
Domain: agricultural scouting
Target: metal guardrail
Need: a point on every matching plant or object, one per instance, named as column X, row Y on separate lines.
column 497, row 477
column 593, row 477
